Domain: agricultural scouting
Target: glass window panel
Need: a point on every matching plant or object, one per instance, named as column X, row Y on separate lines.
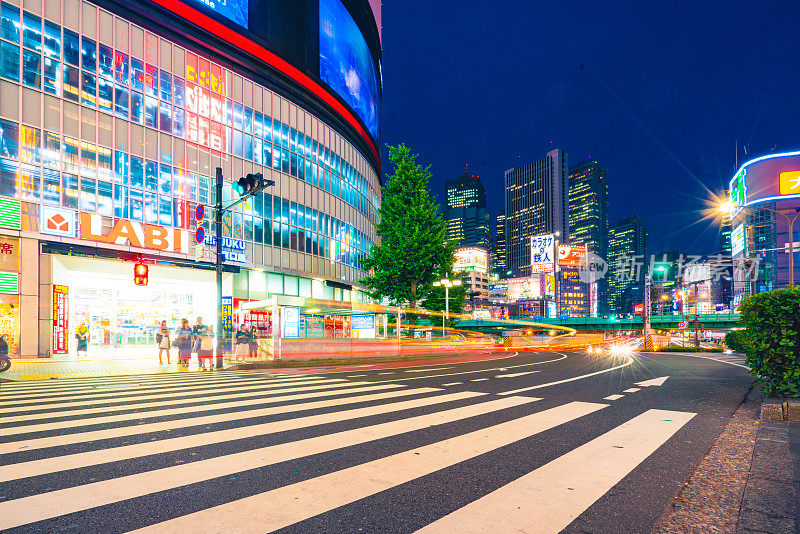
column 32, row 31
column 151, row 208
column 29, row 145
column 166, row 86
column 228, row 112
column 238, row 115
column 267, row 128
column 51, row 187
column 121, row 167
column 285, row 161
column 120, row 201
column 165, row 120
column 294, row 164
column 150, row 80
column 301, row 144
column 301, row 216
column 151, row 176
column 88, row 160
column 237, row 143
column 137, row 107
column 89, row 54
column 28, row 183
column 105, row 62
column 178, row 122
column 72, row 50
column 9, row 61
column 121, row 67
column 9, row 22
column 105, row 94
column 52, row 76
column 151, row 112
column 267, row 154
column 121, row 101
column 267, row 206
column 180, row 90
column 293, row 214
column 308, row 146
column 258, row 150
column 285, row 135
column 258, row 125
column 8, row 177
column 31, row 68
column 69, row 185
column 248, row 120
column 285, row 242
column 105, row 201
column 293, row 140
column 52, row 40
column 88, row 195
column 276, row 132
column 248, row 147
column 51, row 152
column 165, row 179
column 137, row 74
column 238, row 225
column 165, row 214
column 89, row 89
column 104, row 163
column 258, row 230
column 137, row 205
column 203, row 188
column 72, row 160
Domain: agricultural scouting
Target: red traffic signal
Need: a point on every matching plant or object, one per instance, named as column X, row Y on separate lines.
column 140, row 273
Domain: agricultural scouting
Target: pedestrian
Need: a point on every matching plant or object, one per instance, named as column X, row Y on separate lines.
column 162, row 341
column 183, row 340
column 82, row 335
column 203, row 345
column 243, row 339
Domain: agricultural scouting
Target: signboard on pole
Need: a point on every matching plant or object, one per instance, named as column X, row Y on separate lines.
column 572, row 255
column 737, row 240
column 60, row 319
column 291, row 321
column 543, row 254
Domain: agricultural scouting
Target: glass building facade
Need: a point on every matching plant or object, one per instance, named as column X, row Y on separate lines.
column 101, row 116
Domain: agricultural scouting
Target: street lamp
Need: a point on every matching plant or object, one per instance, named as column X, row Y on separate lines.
column 447, row 283
column 728, row 207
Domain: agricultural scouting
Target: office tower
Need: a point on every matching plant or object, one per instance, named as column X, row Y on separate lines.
column 498, row 246
column 536, row 204
column 467, row 218
column 588, row 217
column 627, row 264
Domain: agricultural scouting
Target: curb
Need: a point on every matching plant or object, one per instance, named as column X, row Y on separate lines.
column 780, row 410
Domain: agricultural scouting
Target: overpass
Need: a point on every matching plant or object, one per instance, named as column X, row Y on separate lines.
column 710, row 321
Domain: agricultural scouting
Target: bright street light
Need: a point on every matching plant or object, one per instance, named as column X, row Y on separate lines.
column 447, row 283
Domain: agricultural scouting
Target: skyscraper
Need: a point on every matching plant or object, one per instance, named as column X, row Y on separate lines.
column 536, row 204
column 627, row 264
column 588, row 216
column 467, row 218
column 497, row 251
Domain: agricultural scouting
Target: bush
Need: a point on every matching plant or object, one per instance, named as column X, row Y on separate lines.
column 772, row 320
column 736, row 340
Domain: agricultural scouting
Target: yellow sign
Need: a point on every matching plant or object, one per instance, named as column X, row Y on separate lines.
column 790, row 183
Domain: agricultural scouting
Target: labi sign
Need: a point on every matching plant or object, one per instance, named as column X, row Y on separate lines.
column 135, row 234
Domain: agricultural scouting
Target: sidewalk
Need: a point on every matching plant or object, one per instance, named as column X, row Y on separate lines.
column 45, row 368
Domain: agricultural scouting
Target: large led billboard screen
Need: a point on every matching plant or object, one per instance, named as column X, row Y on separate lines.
column 773, row 177
column 345, row 62
column 235, row 10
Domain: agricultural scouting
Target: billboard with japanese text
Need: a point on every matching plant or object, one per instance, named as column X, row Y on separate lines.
column 773, row 177
column 572, row 255
column 543, row 254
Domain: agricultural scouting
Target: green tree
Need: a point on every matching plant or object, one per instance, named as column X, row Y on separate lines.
column 458, row 295
column 772, row 339
column 413, row 248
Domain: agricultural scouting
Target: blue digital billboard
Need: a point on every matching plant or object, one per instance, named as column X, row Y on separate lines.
column 234, row 10
column 345, row 62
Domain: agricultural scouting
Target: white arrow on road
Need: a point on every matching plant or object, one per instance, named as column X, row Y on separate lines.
column 652, row 382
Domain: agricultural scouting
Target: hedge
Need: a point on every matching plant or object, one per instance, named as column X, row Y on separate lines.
column 736, row 340
column 772, row 339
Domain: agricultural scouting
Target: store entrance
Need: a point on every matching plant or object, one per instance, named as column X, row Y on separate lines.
column 121, row 317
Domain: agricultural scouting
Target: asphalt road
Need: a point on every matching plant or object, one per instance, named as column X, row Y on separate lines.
column 537, row 442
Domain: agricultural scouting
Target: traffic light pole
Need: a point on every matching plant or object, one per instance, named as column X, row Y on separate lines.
column 218, row 211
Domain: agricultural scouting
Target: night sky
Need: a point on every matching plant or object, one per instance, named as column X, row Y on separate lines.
column 657, row 95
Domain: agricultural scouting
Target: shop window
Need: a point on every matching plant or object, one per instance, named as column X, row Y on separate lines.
column 329, row 293
column 275, row 283
column 8, row 177
column 52, row 40
column 105, row 94
column 165, row 120
column 52, row 76
column 105, row 60
column 88, row 195
column 151, row 208
column 9, row 61
column 51, row 187
column 179, row 88
column 121, row 67
column 137, row 205
column 151, row 112
column 32, row 33
column 165, row 213
column 291, row 286
column 89, row 89
column 121, row 101
column 120, row 202
column 104, row 199
column 137, row 107
column 89, row 54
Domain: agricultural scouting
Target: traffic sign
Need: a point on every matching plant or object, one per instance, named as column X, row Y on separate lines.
column 200, row 235
column 200, row 212
column 682, row 324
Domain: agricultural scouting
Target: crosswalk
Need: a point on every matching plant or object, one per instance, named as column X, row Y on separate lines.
column 252, row 452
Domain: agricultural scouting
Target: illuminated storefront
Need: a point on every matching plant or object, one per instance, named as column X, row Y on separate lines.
column 112, row 126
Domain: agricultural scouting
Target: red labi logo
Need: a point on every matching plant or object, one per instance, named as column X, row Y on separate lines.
column 58, row 222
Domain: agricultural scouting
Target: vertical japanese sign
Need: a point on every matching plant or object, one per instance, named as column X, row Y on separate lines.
column 60, row 319
column 227, row 314
column 543, row 254
column 291, row 321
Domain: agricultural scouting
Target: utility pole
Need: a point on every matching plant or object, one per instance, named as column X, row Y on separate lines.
column 247, row 187
column 646, row 305
column 696, row 317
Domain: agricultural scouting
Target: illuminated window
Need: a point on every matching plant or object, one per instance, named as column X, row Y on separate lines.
column 9, row 61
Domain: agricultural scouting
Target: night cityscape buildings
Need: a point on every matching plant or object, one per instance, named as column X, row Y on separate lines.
column 497, row 250
column 465, row 211
column 627, row 264
column 536, row 203
column 113, row 119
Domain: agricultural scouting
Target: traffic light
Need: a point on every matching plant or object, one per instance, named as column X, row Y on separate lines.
column 140, row 273
column 252, row 184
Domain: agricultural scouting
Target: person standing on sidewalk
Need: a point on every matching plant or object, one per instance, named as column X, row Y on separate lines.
column 183, row 339
column 243, row 339
column 162, row 340
column 82, row 335
column 203, row 345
